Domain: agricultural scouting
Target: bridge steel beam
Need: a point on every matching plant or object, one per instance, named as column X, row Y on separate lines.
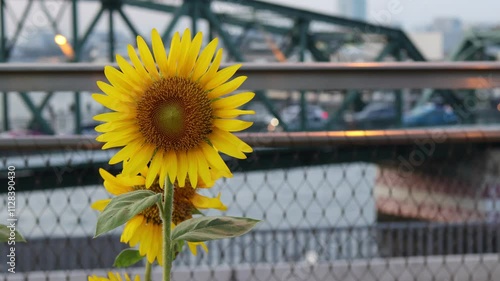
column 74, row 29
column 19, row 27
column 37, row 113
column 3, row 33
column 290, row 76
column 180, row 11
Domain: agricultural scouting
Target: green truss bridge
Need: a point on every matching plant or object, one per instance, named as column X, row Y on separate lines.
column 250, row 31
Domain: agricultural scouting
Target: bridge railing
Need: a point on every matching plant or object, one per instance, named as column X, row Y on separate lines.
column 336, row 91
column 337, row 203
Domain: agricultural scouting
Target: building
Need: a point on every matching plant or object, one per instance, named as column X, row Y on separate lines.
column 452, row 30
column 355, row 9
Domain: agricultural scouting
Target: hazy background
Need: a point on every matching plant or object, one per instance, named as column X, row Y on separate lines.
column 409, row 14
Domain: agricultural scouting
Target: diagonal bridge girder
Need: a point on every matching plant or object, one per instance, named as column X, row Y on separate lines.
column 300, row 32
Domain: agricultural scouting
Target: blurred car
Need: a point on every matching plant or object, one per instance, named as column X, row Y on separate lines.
column 316, row 117
column 431, row 114
column 20, row 133
column 263, row 121
column 377, row 115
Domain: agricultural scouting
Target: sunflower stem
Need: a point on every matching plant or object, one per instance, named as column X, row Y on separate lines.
column 167, row 222
column 147, row 273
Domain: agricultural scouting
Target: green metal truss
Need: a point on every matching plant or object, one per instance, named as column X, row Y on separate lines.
column 300, row 38
column 473, row 46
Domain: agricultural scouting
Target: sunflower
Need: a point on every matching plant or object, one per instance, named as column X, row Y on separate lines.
column 145, row 228
column 113, row 277
column 173, row 111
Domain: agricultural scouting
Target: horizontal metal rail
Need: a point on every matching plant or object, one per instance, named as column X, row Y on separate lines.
column 290, row 76
column 483, row 134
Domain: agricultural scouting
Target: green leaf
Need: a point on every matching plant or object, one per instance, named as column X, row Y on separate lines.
column 177, row 248
column 5, row 234
column 127, row 258
column 211, row 228
column 124, row 207
column 195, row 211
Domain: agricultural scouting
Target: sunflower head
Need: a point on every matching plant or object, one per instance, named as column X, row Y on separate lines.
column 145, row 229
column 175, row 112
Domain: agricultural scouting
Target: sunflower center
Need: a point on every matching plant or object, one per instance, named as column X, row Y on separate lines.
column 182, row 209
column 174, row 113
column 151, row 214
column 170, row 118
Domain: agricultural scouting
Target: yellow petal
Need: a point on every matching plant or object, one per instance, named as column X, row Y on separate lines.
column 194, row 49
column 231, row 113
column 231, row 125
column 203, row 171
column 159, row 52
column 138, row 64
column 120, row 141
column 139, row 160
column 173, row 56
column 192, row 248
column 158, row 236
column 111, row 103
column 233, row 101
column 185, row 44
column 221, row 77
column 212, row 70
column 154, row 168
column 119, row 80
column 203, row 202
column 131, row 227
column 130, row 72
column 153, row 249
column 114, row 276
column 221, row 141
column 116, row 187
column 182, row 167
column 115, row 92
column 171, row 163
column 137, row 235
column 192, row 168
column 143, row 173
column 227, row 88
column 234, row 140
column 100, row 204
column 163, row 170
column 160, row 246
column 147, row 58
column 131, row 133
column 204, row 246
column 131, row 181
column 112, row 116
column 145, row 241
column 214, row 159
column 111, row 126
column 125, row 152
column 204, row 59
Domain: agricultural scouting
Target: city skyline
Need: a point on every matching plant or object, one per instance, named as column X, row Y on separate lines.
column 411, row 14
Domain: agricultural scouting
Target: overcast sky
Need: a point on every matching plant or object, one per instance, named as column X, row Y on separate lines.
column 414, row 13
column 410, row 14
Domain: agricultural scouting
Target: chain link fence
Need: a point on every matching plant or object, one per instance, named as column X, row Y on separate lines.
column 329, row 212
column 384, row 204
